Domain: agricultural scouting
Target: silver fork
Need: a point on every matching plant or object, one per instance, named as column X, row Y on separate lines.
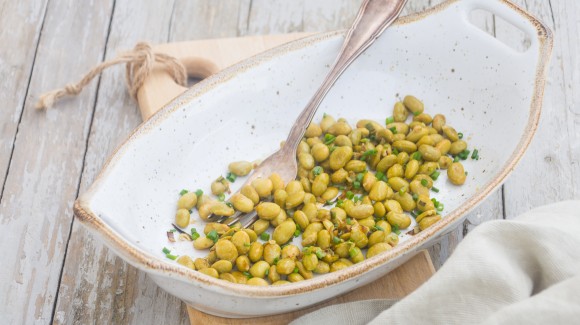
column 373, row 18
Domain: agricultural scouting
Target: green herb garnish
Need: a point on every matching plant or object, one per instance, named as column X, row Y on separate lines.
column 183, row 192
column 166, row 250
column 199, row 193
column 213, row 235
column 424, row 182
column 317, row 170
column 435, row 175
column 171, row 257
column 395, row 229
column 434, row 189
column 221, row 197
column 368, row 153
column 389, row 120
column 265, row 236
column 329, row 138
column 231, row 177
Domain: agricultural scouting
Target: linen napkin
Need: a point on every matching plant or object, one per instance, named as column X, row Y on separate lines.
column 520, row 271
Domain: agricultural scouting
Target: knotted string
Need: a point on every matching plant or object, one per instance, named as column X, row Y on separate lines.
column 139, row 64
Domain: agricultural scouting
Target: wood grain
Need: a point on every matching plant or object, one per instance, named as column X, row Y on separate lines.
column 395, row 285
column 97, row 286
column 550, row 171
column 46, row 164
column 24, row 21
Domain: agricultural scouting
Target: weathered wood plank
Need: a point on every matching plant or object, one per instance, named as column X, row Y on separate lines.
column 36, row 209
column 328, row 15
column 274, row 17
column 201, row 19
column 549, row 171
column 24, row 21
column 97, row 286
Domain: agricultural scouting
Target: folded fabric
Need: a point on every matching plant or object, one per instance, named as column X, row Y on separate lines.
column 520, row 271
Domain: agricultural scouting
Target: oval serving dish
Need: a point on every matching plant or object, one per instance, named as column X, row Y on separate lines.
column 490, row 92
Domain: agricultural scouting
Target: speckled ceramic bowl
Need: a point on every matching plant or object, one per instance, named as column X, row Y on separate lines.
column 490, row 92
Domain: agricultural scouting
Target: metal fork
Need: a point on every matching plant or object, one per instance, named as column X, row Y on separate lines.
column 373, row 18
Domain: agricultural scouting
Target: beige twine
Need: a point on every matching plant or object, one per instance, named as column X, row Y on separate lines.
column 139, row 62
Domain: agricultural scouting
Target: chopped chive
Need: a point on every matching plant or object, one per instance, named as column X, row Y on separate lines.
column 335, row 240
column 331, row 148
column 394, row 130
column 265, row 236
column 221, row 197
column 296, row 270
column 379, row 228
column 247, row 274
column 415, row 197
column 357, row 198
column 379, row 175
column 195, row 235
column 416, row 113
column 424, row 182
column 213, row 235
column 353, row 252
column 231, row 177
column 434, row 189
column 368, row 153
column 356, row 184
column 402, row 191
column 166, row 250
column 230, row 204
column 317, row 170
column 348, row 221
column 395, row 229
column 475, row 154
column 359, row 176
column 199, row 193
column 455, row 159
column 183, row 192
column 349, row 195
column 277, row 258
column 247, row 244
column 464, row 154
column 320, row 253
column 389, row 120
column 171, row 257
column 395, row 151
column 329, row 138
column 440, row 207
column 267, row 272
column 416, row 155
column 460, row 135
column 435, row 175
column 413, row 214
column 297, row 233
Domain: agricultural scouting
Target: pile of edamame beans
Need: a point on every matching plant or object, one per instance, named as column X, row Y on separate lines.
column 358, row 187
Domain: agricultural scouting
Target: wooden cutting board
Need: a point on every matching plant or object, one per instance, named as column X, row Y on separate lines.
column 206, row 57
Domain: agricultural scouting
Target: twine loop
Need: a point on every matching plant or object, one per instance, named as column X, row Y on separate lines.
column 139, row 65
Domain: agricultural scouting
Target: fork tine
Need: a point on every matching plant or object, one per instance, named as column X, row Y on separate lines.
column 252, row 220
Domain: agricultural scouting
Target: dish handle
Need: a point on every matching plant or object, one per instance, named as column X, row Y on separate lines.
column 535, row 29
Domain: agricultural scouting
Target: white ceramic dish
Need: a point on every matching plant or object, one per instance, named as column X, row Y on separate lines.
column 487, row 90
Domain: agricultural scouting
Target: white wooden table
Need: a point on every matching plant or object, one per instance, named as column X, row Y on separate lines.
column 52, row 270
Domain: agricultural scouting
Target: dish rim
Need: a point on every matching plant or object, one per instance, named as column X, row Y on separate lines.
column 150, row 263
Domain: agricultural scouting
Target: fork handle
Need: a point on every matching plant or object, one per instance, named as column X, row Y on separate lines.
column 372, row 19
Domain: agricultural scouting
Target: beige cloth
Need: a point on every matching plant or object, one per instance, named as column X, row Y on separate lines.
column 520, row 271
